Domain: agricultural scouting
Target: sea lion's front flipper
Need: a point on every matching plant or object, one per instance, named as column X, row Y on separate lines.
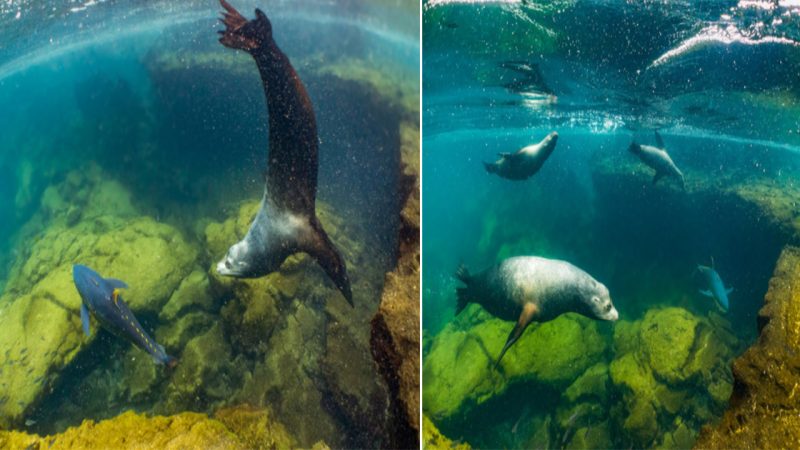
column 322, row 249
column 525, row 318
column 659, row 141
column 85, row 319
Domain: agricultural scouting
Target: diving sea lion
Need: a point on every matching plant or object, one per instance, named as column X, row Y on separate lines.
column 286, row 222
column 101, row 296
column 528, row 288
column 658, row 159
column 716, row 288
column 524, row 163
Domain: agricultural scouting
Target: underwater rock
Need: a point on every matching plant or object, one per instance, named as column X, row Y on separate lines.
column 593, row 383
column 192, row 294
column 206, row 373
column 256, row 428
column 458, row 370
column 765, row 404
column 432, row 439
column 395, row 337
column 667, row 337
column 131, row 430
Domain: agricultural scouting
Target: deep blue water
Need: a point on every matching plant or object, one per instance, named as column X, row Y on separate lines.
column 718, row 79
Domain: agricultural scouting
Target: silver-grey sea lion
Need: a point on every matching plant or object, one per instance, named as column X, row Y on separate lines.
column 287, row 222
column 524, row 163
column 658, row 159
column 528, row 288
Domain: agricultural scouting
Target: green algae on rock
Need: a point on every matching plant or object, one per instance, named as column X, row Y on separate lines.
column 459, row 373
column 432, row 439
column 232, row 428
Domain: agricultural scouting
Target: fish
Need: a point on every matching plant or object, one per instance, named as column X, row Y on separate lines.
column 102, row 297
column 716, row 288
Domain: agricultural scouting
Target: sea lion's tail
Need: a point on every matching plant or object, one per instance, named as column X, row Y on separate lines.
column 243, row 34
column 462, row 293
column 329, row 258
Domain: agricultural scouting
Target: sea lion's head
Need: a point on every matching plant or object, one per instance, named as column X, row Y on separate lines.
column 599, row 302
column 635, row 148
column 236, row 262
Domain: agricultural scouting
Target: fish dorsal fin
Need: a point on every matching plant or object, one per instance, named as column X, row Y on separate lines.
column 659, row 140
column 116, row 284
column 712, row 262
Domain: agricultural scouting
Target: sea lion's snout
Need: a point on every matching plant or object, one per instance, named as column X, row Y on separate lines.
column 613, row 315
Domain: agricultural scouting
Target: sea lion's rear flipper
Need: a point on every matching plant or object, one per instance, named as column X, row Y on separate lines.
column 240, row 33
column 525, row 318
column 659, row 141
column 322, row 249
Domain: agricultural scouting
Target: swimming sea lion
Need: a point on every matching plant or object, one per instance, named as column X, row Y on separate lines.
column 528, row 288
column 287, row 222
column 658, row 159
column 524, row 163
column 101, row 296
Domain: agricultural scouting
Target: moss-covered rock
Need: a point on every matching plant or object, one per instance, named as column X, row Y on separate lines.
column 130, row 430
column 256, row 428
column 667, row 337
column 592, row 383
column 432, row 439
column 459, row 374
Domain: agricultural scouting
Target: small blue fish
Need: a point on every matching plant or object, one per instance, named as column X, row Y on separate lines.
column 101, row 296
column 716, row 289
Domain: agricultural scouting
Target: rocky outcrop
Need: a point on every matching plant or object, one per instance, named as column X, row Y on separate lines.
column 764, row 409
column 232, row 428
column 395, row 336
column 40, row 313
column 459, row 373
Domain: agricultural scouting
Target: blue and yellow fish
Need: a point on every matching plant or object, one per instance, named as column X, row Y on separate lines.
column 102, row 297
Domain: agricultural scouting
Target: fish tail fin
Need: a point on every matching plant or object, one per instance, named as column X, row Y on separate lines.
column 165, row 359
column 490, row 167
column 243, row 34
column 462, row 293
column 322, row 249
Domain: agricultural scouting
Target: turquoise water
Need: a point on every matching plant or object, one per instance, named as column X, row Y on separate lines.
column 133, row 142
column 718, row 80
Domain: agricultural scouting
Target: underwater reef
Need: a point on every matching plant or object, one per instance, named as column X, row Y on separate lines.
column 159, row 217
column 667, row 369
column 764, row 407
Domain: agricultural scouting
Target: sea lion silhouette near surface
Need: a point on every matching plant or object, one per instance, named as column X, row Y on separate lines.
column 525, row 162
column 286, row 222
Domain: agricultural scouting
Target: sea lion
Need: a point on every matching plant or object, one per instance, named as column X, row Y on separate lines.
column 525, row 162
column 528, row 288
column 658, row 159
column 716, row 288
column 286, row 222
column 101, row 296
